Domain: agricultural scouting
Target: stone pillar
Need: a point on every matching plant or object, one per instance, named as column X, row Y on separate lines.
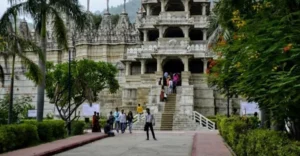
column 204, row 9
column 162, row 5
column 147, row 9
column 185, row 61
column 185, row 30
column 158, row 65
column 143, row 65
column 161, row 30
column 145, row 35
column 186, row 5
column 128, row 70
column 204, row 34
column 204, row 65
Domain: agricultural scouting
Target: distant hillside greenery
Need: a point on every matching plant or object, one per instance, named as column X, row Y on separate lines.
column 132, row 7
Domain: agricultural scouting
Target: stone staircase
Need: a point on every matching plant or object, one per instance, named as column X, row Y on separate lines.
column 139, row 125
column 168, row 114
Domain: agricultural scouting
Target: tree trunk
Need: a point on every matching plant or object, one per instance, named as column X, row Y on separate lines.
column 41, row 86
column 11, row 97
column 264, row 118
column 228, row 102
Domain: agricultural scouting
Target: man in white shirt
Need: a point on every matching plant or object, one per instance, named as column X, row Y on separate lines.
column 117, row 119
column 123, row 121
column 150, row 122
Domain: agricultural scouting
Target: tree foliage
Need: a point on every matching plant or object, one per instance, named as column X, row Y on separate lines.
column 41, row 12
column 88, row 79
column 20, row 108
column 261, row 55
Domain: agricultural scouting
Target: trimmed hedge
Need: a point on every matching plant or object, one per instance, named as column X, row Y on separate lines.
column 17, row 136
column 246, row 139
column 49, row 130
column 77, row 127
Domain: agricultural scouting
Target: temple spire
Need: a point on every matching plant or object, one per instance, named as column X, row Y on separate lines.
column 107, row 6
column 124, row 7
column 88, row 6
column 141, row 8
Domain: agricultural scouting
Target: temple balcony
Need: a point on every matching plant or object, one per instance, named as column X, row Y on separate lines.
column 168, row 46
column 200, row 21
column 149, row 21
column 174, row 18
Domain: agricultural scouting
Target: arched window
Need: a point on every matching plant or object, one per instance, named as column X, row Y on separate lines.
column 196, row 8
column 196, row 34
column 175, row 5
column 156, row 10
column 173, row 32
column 153, row 35
column 196, row 66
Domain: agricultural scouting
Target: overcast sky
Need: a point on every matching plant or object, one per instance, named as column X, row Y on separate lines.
column 94, row 4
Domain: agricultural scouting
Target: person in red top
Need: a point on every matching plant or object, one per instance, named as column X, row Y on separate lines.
column 94, row 122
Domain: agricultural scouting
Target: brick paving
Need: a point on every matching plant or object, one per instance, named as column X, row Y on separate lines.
column 175, row 143
column 58, row 146
column 209, row 144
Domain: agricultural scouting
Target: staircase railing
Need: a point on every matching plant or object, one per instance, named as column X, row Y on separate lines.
column 137, row 118
column 203, row 121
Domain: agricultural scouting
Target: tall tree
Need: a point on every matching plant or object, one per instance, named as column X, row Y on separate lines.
column 43, row 11
column 2, row 76
column 89, row 79
column 15, row 47
column 263, row 52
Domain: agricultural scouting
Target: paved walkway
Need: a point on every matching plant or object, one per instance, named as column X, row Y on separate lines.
column 209, row 144
column 56, row 146
column 168, row 144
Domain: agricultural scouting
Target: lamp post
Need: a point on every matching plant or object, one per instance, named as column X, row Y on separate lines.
column 69, row 99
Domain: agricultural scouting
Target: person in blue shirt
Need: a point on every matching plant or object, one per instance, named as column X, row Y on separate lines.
column 117, row 120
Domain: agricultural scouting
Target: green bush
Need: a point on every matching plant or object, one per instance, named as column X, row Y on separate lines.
column 102, row 122
column 17, row 136
column 49, row 130
column 77, row 127
column 246, row 139
column 45, row 131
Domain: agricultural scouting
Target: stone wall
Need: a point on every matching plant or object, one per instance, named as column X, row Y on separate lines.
column 98, row 52
column 185, row 100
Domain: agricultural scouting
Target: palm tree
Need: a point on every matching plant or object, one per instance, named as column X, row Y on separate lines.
column 42, row 11
column 2, row 76
column 16, row 46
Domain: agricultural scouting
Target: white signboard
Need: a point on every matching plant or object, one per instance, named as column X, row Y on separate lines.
column 88, row 110
column 32, row 113
column 249, row 108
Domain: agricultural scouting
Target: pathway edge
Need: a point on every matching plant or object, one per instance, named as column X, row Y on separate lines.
column 70, row 146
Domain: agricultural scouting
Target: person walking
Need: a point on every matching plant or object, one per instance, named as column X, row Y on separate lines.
column 150, row 122
column 129, row 121
column 140, row 111
column 94, row 122
column 98, row 127
column 117, row 120
column 170, row 86
column 175, row 81
column 123, row 121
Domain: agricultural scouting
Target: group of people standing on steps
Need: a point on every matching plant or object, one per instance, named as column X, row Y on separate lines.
column 121, row 121
column 171, row 80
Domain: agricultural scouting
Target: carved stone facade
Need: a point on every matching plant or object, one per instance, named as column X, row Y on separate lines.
column 166, row 34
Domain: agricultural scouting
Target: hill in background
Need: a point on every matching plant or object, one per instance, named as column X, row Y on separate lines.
column 132, row 7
